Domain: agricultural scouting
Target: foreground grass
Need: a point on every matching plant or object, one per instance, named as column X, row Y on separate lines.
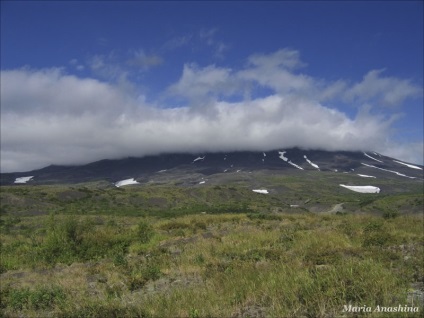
column 209, row 265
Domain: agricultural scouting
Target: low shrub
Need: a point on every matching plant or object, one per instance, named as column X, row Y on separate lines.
column 375, row 234
column 39, row 298
column 144, row 231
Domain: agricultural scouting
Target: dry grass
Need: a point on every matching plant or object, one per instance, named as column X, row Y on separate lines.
column 221, row 265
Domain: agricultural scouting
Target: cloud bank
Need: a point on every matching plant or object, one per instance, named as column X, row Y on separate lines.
column 51, row 117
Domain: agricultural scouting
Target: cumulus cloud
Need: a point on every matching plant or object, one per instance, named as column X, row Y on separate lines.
column 50, row 117
column 198, row 84
column 385, row 91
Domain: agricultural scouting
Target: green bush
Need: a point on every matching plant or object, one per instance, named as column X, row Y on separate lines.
column 119, row 260
column 139, row 276
column 144, row 232
column 39, row 298
column 390, row 214
column 375, row 235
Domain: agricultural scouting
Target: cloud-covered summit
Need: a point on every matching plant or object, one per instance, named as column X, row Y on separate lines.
column 49, row 116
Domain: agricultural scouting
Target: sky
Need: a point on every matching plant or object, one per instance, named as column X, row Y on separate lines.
column 83, row 81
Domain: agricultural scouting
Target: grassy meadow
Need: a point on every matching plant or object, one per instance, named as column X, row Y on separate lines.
column 88, row 251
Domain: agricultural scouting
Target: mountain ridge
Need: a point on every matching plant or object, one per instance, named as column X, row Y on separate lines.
column 152, row 167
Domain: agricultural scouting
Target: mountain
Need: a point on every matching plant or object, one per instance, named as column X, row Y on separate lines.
column 217, row 168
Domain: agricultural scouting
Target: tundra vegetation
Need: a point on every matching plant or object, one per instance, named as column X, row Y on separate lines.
column 213, row 251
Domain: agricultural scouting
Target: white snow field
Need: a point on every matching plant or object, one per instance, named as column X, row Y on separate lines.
column 372, row 157
column 362, row 189
column 125, row 182
column 408, row 165
column 202, row 182
column 263, row 191
column 288, row 161
column 311, row 163
column 281, row 153
column 23, row 179
column 365, row 176
column 398, row 173
column 198, row 158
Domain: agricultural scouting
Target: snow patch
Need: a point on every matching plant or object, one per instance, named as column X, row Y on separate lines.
column 372, row 157
column 408, row 165
column 295, row 165
column 281, row 153
column 310, row 162
column 202, row 182
column 263, row 191
column 362, row 189
column 23, row 179
column 264, row 154
column 398, row 173
column 125, row 182
column 160, row 171
column 288, row 161
column 365, row 176
column 198, row 158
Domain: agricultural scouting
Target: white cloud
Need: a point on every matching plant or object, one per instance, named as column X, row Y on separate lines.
column 412, row 152
column 207, row 36
column 144, row 61
column 284, row 58
column 196, row 83
column 386, row 91
column 276, row 71
column 51, row 92
column 50, row 117
column 102, row 66
column 333, row 90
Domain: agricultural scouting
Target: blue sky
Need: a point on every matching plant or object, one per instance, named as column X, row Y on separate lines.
column 83, row 81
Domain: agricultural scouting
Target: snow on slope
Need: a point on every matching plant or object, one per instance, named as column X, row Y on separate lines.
column 281, row 153
column 398, row 173
column 362, row 189
column 288, row 161
column 311, row 163
column 199, row 158
column 263, row 191
column 372, row 158
column 23, row 179
column 365, row 176
column 408, row 165
column 125, row 182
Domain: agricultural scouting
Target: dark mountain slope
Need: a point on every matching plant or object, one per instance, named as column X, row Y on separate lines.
column 174, row 166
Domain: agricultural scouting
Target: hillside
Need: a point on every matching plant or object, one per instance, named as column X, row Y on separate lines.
column 246, row 234
column 189, row 169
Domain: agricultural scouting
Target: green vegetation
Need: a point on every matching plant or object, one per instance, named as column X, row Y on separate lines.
column 206, row 252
